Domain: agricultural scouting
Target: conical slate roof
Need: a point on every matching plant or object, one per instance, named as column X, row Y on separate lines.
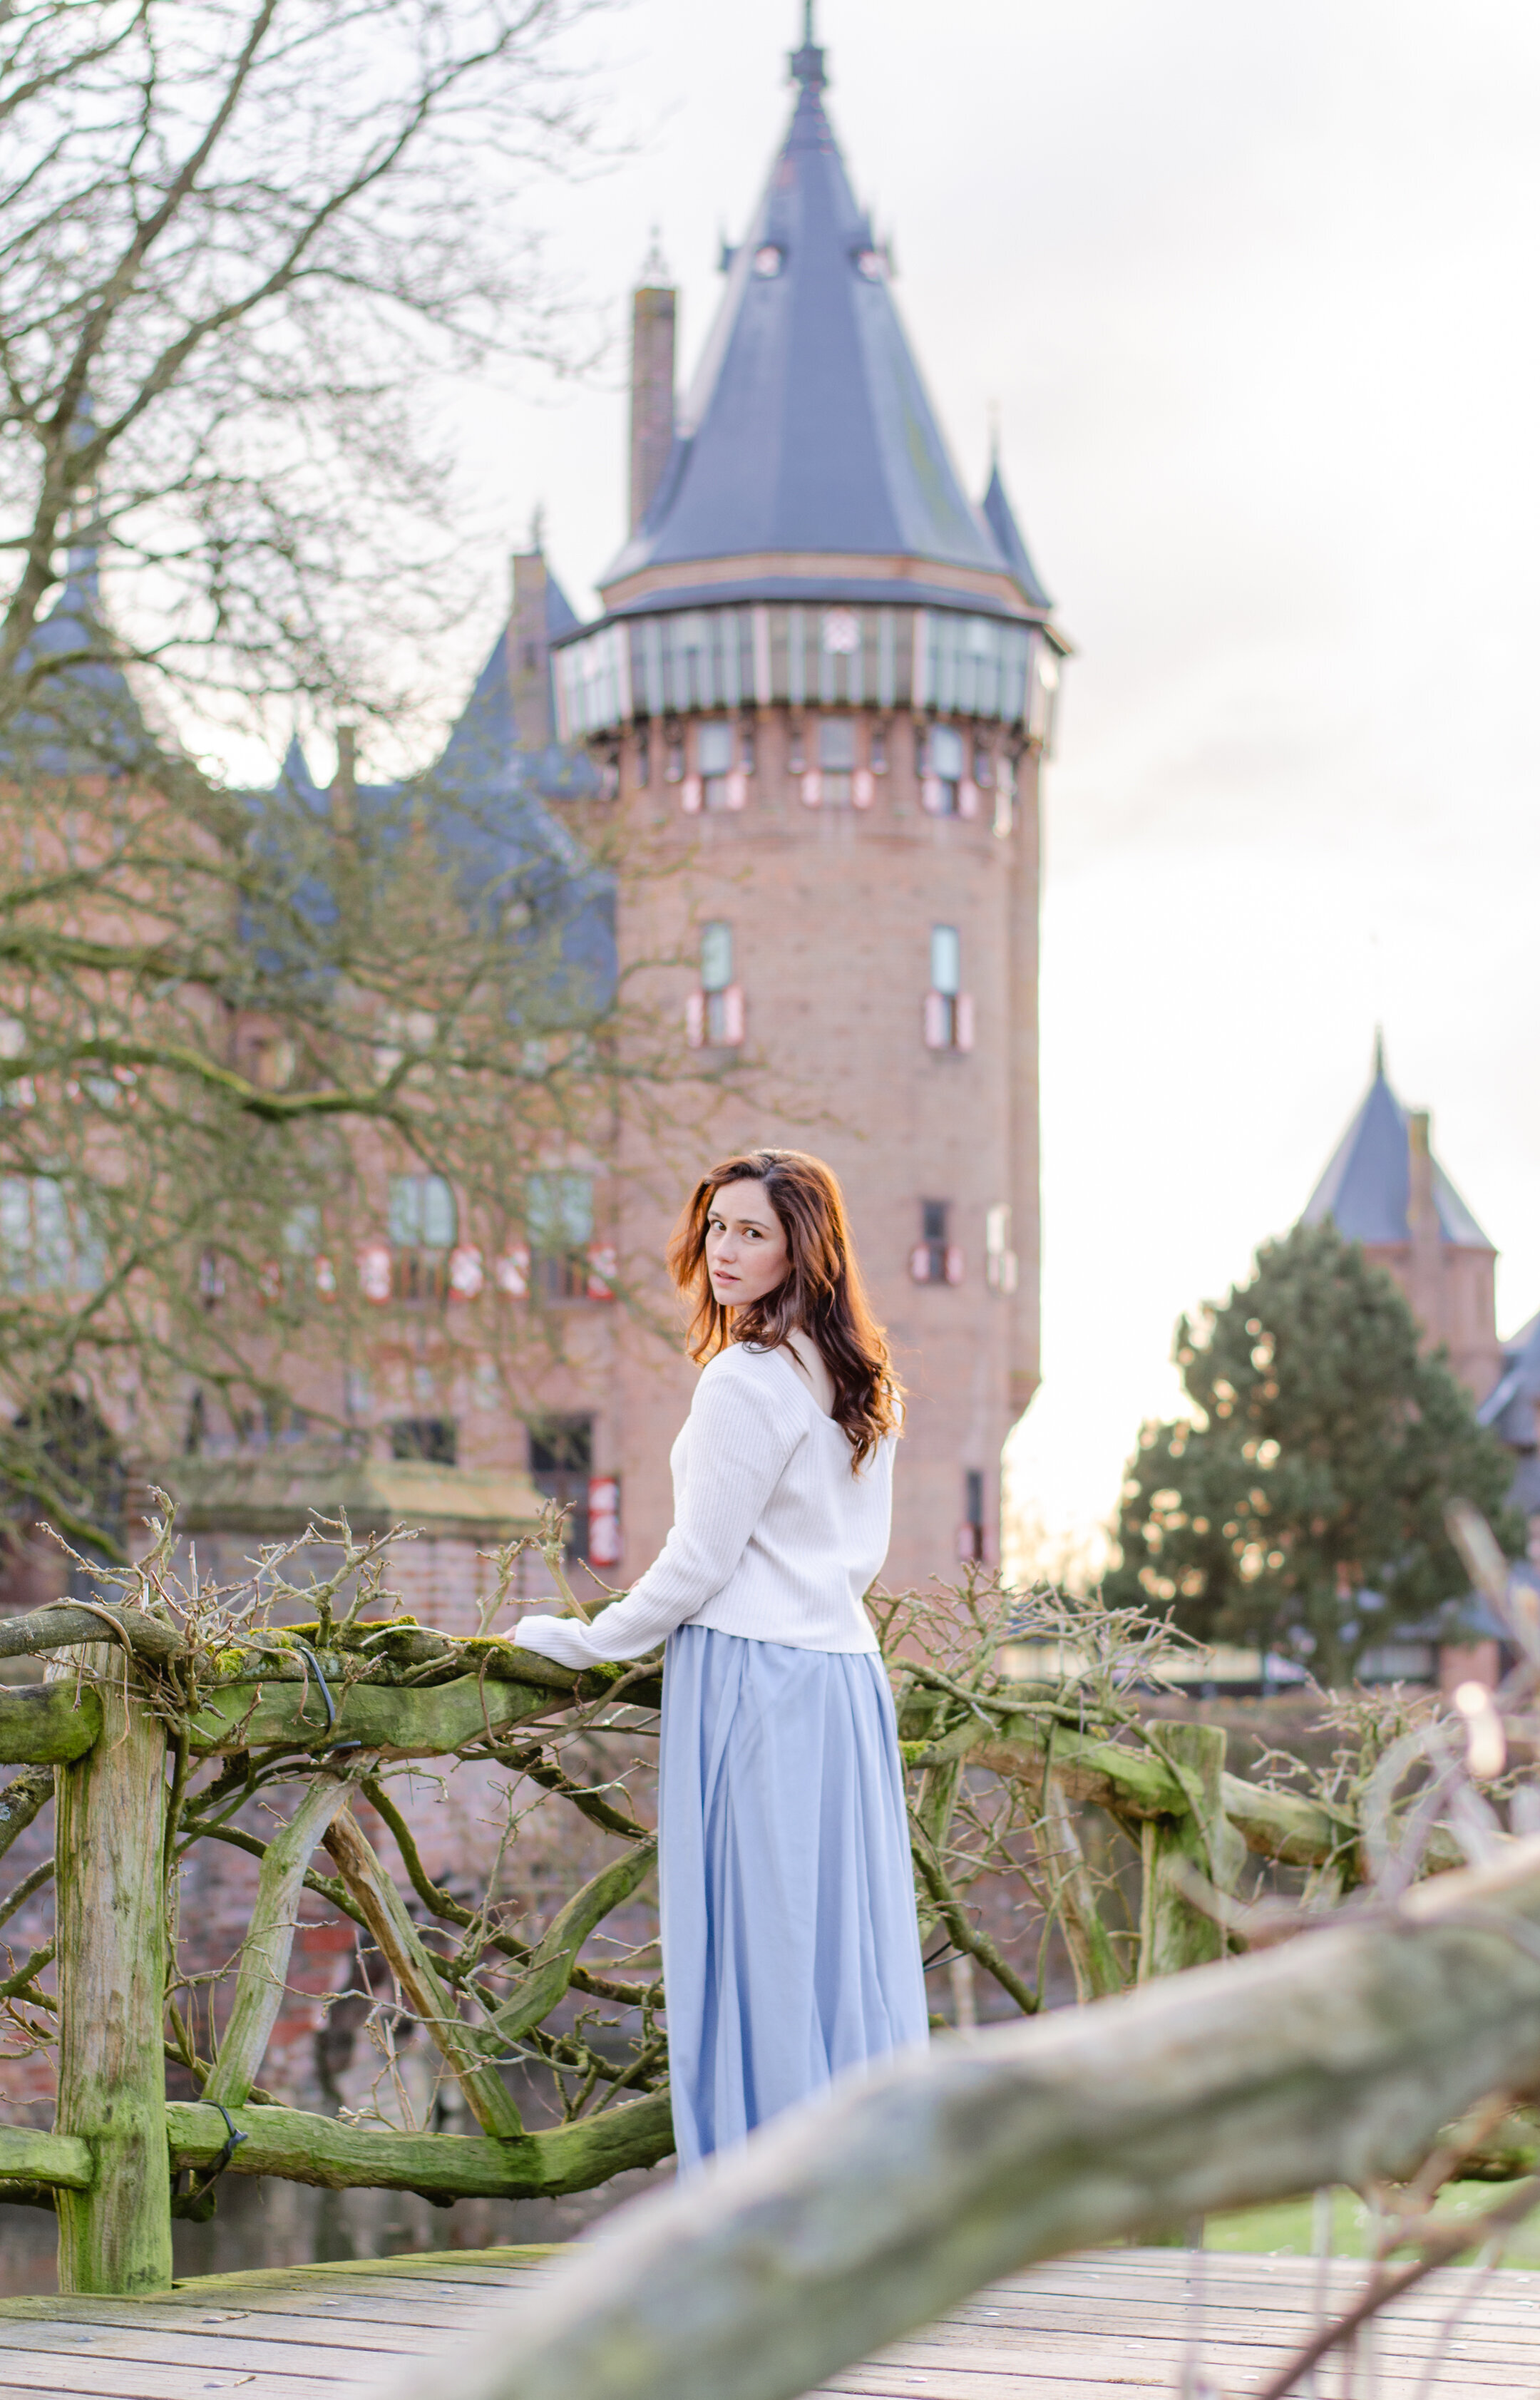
column 808, row 428
column 999, row 517
column 485, row 804
column 1367, row 1189
column 84, row 719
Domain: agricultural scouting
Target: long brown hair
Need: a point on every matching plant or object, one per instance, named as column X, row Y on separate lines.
column 822, row 1294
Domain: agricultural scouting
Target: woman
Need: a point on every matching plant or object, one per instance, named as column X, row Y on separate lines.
column 790, row 1947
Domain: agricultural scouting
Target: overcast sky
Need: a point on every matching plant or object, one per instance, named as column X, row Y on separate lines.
column 1254, row 293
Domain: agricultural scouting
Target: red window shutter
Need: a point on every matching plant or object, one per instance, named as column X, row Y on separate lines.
column 689, row 796
column 954, row 1263
column 326, row 1279
column 695, row 1019
column 967, row 797
column 374, row 1272
column 734, row 1014
column 964, row 1034
column 738, row 790
column 938, row 1026
column 601, row 1270
column 919, row 1262
column 812, row 788
column 863, row 788
column 512, row 1271
column 467, row 1273
column 604, row 1520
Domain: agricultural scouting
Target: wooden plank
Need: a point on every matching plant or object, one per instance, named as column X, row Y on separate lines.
column 1102, row 2327
column 121, row 2378
column 214, row 2353
column 274, row 2332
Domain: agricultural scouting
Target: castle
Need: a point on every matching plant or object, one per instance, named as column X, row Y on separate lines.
column 817, row 703
column 823, row 685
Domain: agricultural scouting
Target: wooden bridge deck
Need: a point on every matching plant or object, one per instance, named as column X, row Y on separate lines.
column 1101, row 2328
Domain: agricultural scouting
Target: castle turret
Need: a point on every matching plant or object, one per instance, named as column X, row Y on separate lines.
column 1385, row 1189
column 827, row 680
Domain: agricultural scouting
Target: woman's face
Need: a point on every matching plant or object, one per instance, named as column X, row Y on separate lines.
column 747, row 1253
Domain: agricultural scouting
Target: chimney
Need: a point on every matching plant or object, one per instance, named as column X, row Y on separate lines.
column 652, row 313
column 1422, row 1226
column 529, row 651
column 344, row 794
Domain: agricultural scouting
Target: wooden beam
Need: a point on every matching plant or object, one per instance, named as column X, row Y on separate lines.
column 1173, row 1934
column 315, row 2149
column 1332, row 2059
column 270, row 1943
column 62, row 2160
column 48, row 1725
column 416, row 1972
column 430, row 1722
column 110, row 1812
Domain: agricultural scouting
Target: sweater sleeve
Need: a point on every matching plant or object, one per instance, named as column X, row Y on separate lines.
column 740, row 1436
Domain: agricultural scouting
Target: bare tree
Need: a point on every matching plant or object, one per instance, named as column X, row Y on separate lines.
column 239, row 239
column 236, row 236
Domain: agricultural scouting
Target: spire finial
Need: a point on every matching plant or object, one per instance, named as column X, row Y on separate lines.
column 994, row 434
column 655, row 266
column 807, row 64
column 1379, row 1052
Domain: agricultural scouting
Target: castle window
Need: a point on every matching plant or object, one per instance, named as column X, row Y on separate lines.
column 836, row 760
column 943, row 771
column 948, row 1009
column 644, row 757
column 420, row 1227
column 714, row 1014
column 970, row 1533
column 560, row 1461
column 433, row 1440
column 46, row 1245
column 559, row 1214
column 880, row 749
column 746, row 745
column 934, row 1258
column 722, row 785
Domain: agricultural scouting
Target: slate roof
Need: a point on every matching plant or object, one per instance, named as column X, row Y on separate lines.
column 1368, row 1186
column 86, row 720
column 1510, row 1407
column 808, row 427
column 485, row 800
column 999, row 517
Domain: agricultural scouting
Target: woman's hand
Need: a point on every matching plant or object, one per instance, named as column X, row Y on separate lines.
column 556, row 1638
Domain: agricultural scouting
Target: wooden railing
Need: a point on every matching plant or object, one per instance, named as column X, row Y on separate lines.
column 168, row 1707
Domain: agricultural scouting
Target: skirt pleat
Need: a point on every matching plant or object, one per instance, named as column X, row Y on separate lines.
column 790, row 1947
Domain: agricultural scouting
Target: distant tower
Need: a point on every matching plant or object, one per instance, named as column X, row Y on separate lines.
column 827, row 682
column 1385, row 1189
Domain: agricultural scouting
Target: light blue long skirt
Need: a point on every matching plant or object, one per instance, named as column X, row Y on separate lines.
column 790, row 1947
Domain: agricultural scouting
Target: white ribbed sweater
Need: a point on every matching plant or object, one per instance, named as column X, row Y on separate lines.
column 773, row 1536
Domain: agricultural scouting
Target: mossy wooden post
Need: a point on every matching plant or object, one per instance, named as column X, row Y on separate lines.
column 110, row 1828
column 1173, row 1934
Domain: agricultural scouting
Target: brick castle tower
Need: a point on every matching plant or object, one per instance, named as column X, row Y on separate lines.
column 823, row 685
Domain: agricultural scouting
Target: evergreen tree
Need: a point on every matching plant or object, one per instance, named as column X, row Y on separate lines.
column 1300, row 1505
